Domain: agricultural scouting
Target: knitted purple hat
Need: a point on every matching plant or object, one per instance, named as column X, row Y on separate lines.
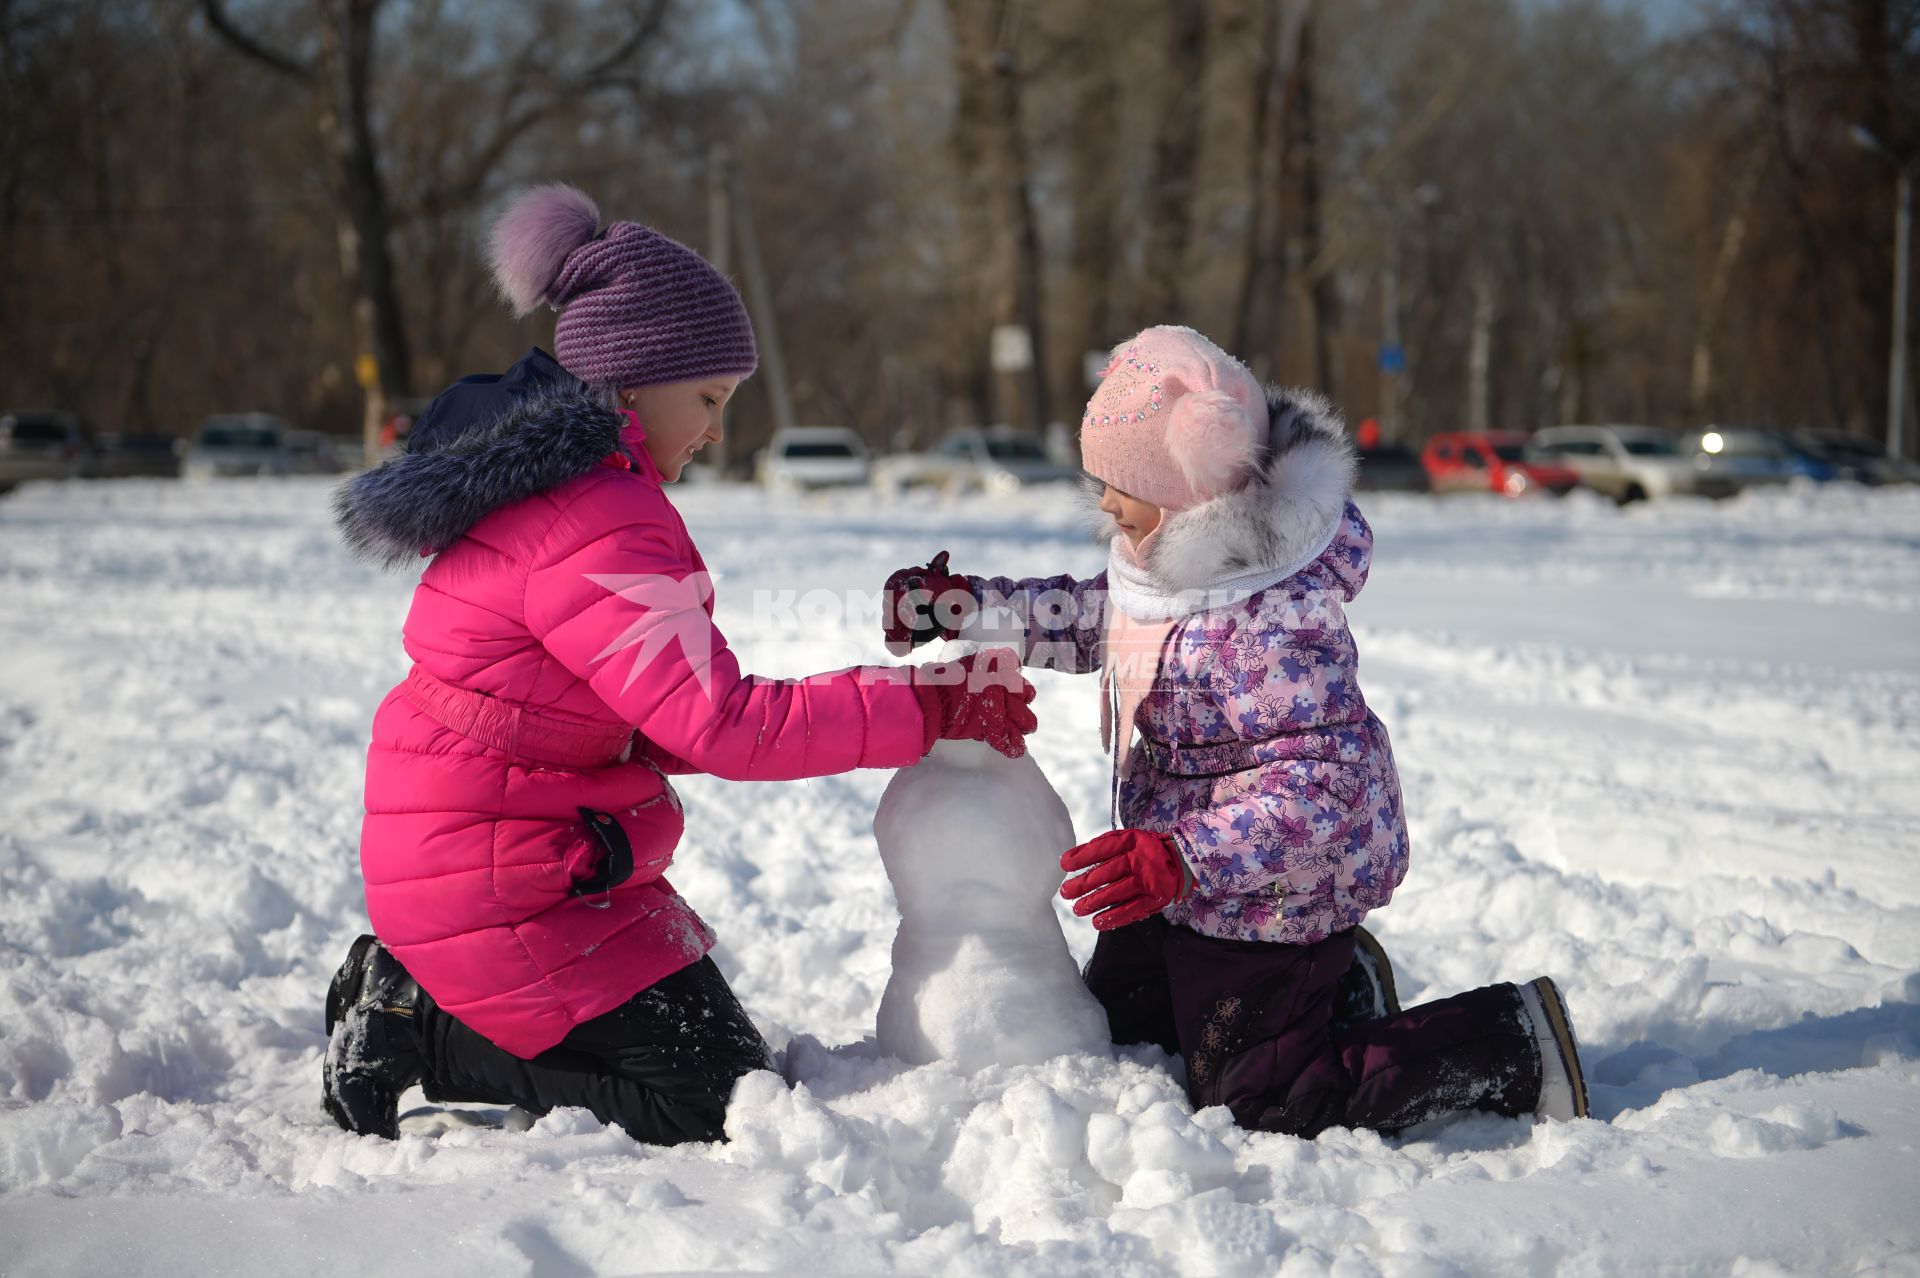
column 636, row 308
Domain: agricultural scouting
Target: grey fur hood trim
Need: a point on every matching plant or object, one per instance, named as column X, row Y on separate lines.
column 1290, row 506
column 425, row 501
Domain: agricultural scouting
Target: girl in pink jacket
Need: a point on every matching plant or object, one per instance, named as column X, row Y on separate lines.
column 1257, row 804
column 520, row 820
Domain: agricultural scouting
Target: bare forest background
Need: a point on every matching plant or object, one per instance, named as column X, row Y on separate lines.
column 1447, row 214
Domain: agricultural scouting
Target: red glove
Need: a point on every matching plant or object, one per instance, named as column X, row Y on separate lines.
column 1130, row 875
column 980, row 697
column 918, row 605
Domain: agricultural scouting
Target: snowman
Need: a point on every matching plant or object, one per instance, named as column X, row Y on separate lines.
column 981, row 973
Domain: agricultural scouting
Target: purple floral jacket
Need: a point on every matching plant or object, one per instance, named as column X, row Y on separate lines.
column 1257, row 751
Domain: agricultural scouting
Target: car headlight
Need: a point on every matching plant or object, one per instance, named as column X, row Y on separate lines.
column 1516, row 482
column 1001, row 481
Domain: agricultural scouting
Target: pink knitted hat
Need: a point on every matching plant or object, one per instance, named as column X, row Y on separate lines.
column 1175, row 421
column 636, row 308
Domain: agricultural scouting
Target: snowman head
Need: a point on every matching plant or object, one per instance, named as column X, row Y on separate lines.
column 970, row 835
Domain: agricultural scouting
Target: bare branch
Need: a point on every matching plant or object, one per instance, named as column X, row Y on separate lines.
column 644, row 30
column 510, row 123
column 286, row 64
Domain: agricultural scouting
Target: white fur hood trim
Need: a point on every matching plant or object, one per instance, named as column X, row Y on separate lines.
column 1281, row 519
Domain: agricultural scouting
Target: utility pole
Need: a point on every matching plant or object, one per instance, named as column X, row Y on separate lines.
column 1902, row 238
column 1392, row 359
column 1897, row 362
column 773, row 365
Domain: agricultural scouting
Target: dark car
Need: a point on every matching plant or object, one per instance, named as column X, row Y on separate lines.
column 238, row 444
column 43, row 445
column 1751, row 457
column 125, row 456
column 312, row 452
column 1857, row 457
column 1391, row 468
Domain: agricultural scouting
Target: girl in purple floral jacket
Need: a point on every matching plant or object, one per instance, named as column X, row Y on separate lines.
column 1258, row 811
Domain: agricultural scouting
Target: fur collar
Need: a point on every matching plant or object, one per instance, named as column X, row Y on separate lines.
column 1296, row 496
column 422, row 502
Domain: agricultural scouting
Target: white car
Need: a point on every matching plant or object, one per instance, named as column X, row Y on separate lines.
column 994, row 460
column 238, row 444
column 1627, row 463
column 814, row 457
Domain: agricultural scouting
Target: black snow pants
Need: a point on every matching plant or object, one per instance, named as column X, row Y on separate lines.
column 1259, row 1027
column 662, row 1065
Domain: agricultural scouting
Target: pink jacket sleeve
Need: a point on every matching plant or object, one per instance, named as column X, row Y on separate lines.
column 617, row 596
column 671, row 764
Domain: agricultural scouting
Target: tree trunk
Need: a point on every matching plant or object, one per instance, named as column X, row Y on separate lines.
column 1267, row 200
column 1700, row 367
column 344, row 116
column 1176, row 154
column 1321, row 303
column 1480, row 350
column 991, row 150
column 1086, row 316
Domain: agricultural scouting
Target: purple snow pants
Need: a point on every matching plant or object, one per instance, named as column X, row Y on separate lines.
column 1255, row 1022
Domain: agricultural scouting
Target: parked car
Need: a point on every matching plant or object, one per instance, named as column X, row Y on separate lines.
column 238, row 444
column 1491, row 462
column 1391, row 468
column 126, row 456
column 1735, row 458
column 1627, row 463
column 313, row 452
column 814, row 457
column 996, row 459
column 43, row 445
column 1857, row 457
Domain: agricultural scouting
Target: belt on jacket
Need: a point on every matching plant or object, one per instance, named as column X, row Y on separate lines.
column 1224, row 758
column 517, row 731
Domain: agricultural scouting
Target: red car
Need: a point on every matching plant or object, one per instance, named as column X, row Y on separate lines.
column 1494, row 461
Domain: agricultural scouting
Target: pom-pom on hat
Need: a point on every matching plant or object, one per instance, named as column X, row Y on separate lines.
column 636, row 308
column 1175, row 421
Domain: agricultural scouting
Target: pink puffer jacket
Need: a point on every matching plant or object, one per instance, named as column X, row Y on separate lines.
column 579, row 612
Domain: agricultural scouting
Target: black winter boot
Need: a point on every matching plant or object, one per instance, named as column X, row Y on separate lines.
column 1366, row 992
column 373, row 1050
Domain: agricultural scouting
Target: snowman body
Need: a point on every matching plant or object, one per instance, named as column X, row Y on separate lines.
column 981, row 972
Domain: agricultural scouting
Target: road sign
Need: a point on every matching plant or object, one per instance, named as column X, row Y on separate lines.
column 1011, row 348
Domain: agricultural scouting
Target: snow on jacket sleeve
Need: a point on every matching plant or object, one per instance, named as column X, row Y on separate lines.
column 617, row 595
column 1059, row 618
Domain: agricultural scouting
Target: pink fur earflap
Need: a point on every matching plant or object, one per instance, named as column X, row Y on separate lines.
column 1211, row 438
column 531, row 241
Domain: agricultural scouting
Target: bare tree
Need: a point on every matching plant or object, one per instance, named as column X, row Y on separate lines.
column 340, row 77
column 1276, row 89
column 990, row 148
column 1176, row 153
column 1087, row 319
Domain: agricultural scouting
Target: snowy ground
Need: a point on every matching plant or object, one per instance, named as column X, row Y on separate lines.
column 1667, row 755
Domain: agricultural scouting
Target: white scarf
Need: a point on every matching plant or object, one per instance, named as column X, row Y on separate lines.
column 1144, row 611
column 1133, row 590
